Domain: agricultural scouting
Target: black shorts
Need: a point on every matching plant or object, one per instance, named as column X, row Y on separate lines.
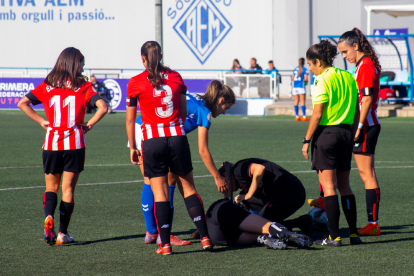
column 56, row 162
column 332, row 147
column 223, row 220
column 367, row 140
column 164, row 154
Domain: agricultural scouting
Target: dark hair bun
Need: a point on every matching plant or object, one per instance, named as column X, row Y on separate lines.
column 324, row 51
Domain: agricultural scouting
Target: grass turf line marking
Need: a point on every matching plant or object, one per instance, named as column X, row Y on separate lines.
column 197, row 176
column 114, row 165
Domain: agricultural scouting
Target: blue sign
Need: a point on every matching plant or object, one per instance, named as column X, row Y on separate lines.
column 202, row 27
column 391, row 32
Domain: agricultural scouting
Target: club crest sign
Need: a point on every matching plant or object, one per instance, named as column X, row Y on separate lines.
column 202, row 27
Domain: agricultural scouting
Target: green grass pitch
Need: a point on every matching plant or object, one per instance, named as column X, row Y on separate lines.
column 108, row 224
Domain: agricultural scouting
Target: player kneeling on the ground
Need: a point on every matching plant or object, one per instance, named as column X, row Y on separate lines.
column 268, row 190
column 230, row 224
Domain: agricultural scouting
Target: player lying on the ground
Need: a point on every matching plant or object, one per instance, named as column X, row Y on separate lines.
column 268, row 190
column 200, row 110
column 230, row 224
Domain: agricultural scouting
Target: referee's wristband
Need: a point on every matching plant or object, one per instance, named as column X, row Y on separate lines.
column 360, row 126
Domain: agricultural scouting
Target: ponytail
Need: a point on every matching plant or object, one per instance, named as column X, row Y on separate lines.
column 356, row 36
column 215, row 91
column 151, row 51
column 301, row 63
column 324, row 51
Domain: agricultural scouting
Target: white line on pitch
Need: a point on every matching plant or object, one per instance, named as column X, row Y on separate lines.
column 198, row 161
column 197, row 176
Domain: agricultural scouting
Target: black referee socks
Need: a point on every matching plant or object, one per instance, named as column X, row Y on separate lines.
column 66, row 210
column 372, row 197
column 49, row 203
column 195, row 209
column 349, row 207
column 163, row 217
column 332, row 213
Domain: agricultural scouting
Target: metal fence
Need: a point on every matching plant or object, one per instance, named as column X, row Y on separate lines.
column 251, row 85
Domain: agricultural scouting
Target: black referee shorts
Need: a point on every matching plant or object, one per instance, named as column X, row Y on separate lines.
column 367, row 140
column 56, row 162
column 164, row 154
column 332, row 147
column 223, row 220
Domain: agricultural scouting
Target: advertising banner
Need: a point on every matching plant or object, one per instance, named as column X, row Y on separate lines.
column 108, row 33
column 13, row 89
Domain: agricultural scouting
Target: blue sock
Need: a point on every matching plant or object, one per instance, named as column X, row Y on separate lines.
column 303, row 110
column 147, row 203
column 172, row 189
column 296, row 110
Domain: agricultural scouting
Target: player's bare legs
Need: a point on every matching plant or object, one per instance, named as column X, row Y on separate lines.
column 366, row 168
column 296, row 102
column 327, row 178
column 68, row 185
column 255, row 224
column 302, row 98
column 159, row 186
column 186, row 185
column 342, row 179
column 52, row 182
column 257, row 228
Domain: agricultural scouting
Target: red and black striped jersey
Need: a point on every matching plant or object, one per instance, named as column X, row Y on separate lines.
column 368, row 79
column 159, row 107
column 65, row 110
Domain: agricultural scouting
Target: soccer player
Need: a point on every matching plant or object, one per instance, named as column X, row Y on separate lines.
column 230, row 224
column 331, row 128
column 65, row 93
column 161, row 94
column 268, row 190
column 200, row 110
column 356, row 49
column 299, row 77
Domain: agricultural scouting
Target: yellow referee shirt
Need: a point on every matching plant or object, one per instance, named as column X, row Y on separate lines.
column 339, row 91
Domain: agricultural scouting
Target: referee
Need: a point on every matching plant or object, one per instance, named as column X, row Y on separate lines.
column 331, row 129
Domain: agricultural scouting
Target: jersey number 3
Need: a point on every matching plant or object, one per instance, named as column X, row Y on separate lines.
column 168, row 106
column 70, row 103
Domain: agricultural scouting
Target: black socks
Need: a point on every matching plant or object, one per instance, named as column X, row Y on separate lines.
column 372, row 197
column 277, row 230
column 349, row 207
column 49, row 203
column 195, row 209
column 163, row 217
column 332, row 213
column 65, row 210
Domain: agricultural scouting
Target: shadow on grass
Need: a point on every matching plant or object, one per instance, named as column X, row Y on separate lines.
column 76, row 243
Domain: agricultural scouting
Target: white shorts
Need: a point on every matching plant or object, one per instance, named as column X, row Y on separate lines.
column 138, row 136
column 298, row 91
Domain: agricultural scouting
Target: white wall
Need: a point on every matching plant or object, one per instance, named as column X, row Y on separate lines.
column 113, row 42
column 265, row 29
